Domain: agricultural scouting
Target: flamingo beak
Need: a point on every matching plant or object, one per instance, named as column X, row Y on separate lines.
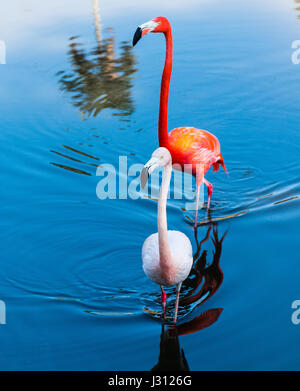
column 144, row 177
column 137, row 36
column 144, row 29
column 147, row 170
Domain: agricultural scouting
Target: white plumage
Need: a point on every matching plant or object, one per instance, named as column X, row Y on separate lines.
column 181, row 252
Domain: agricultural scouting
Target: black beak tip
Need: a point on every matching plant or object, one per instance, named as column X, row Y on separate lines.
column 137, row 36
column 144, row 177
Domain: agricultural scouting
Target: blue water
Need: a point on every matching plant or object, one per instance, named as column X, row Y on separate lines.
column 70, row 264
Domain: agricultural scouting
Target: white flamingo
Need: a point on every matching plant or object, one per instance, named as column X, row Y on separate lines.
column 167, row 255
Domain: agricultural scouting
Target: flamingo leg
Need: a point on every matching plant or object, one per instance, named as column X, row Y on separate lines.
column 209, row 191
column 197, row 204
column 178, row 287
column 164, row 300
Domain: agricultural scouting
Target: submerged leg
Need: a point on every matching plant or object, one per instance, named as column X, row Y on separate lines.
column 164, row 300
column 178, row 287
column 209, row 191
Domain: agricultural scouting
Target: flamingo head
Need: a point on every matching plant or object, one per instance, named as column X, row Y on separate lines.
column 161, row 157
column 160, row 24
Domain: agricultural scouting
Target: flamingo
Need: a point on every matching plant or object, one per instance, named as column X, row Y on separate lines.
column 167, row 255
column 194, row 150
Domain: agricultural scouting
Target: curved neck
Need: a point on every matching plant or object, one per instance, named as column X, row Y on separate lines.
column 162, row 227
column 164, row 92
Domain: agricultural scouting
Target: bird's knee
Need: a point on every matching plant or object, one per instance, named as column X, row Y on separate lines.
column 163, row 295
column 210, row 189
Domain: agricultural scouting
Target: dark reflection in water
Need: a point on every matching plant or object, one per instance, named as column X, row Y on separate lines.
column 88, row 160
column 72, row 169
column 204, row 280
column 99, row 80
column 208, row 276
column 171, row 356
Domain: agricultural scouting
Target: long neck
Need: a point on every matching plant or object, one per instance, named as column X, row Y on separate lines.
column 164, row 250
column 164, row 92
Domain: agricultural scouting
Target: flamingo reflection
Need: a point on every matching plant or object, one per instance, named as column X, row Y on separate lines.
column 210, row 274
column 203, row 282
column 171, row 356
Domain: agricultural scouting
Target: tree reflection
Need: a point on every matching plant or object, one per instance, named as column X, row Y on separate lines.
column 98, row 80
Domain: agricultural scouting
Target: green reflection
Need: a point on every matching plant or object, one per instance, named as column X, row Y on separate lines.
column 99, row 80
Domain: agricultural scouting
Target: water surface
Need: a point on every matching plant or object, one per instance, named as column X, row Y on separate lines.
column 74, row 95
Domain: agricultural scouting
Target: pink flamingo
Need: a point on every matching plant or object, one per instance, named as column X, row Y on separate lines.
column 195, row 150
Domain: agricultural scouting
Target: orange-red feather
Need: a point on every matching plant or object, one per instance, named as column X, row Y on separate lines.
column 192, row 146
